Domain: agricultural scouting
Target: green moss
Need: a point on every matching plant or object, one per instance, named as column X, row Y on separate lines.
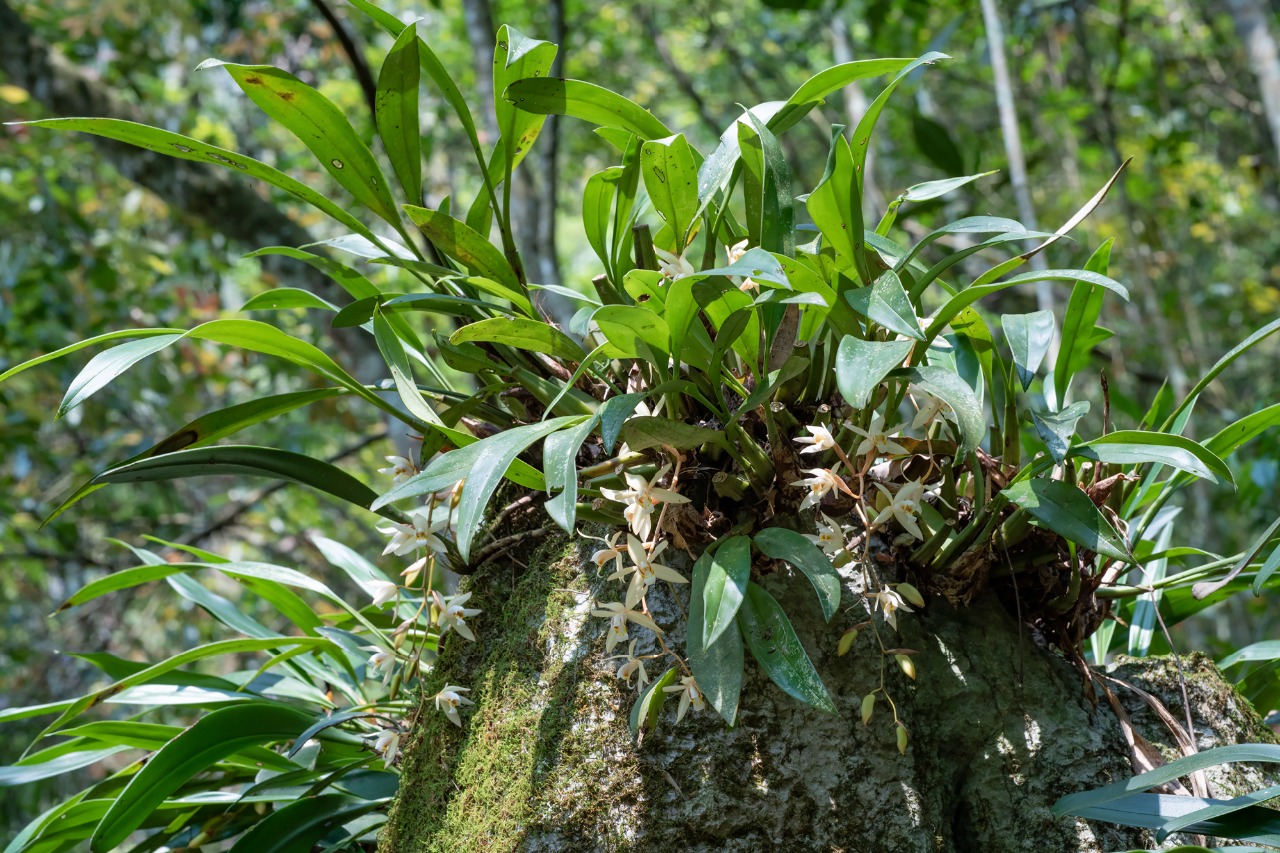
column 486, row 785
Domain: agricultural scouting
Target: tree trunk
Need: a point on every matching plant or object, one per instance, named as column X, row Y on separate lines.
column 1251, row 20
column 999, row 730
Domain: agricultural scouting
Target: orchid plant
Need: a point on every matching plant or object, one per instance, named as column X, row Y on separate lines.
column 758, row 365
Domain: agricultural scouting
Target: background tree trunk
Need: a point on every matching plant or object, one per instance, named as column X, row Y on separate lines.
column 999, row 730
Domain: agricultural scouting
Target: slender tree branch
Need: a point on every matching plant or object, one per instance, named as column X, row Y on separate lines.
column 355, row 57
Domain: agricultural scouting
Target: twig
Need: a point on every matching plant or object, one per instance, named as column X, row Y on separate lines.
column 361, row 68
column 492, row 550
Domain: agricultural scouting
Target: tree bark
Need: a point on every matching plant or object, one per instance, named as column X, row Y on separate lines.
column 999, row 730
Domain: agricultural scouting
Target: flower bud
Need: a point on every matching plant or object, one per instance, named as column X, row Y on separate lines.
column 911, row 594
column 902, row 738
column 907, row 666
column 846, row 641
column 868, row 706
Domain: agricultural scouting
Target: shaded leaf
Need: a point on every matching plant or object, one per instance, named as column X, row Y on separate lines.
column 1067, row 511
column 783, row 544
column 774, row 644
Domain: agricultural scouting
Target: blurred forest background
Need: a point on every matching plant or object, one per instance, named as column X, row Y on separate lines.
column 95, row 238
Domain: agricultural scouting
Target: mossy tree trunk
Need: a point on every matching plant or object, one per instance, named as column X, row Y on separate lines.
column 999, row 730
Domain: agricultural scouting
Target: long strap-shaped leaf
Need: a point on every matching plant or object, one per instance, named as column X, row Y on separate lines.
column 215, row 736
column 187, row 148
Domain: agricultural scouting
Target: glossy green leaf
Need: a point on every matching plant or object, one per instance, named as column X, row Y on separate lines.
column 948, row 387
column 393, row 353
column 1152, row 811
column 936, row 189
column 862, row 365
column 783, row 544
column 1067, row 511
column 775, row 646
column 628, row 327
column 1183, row 411
column 597, row 207
column 972, row 294
column 319, row 125
column 281, row 298
column 1057, row 428
column 1241, row 753
column 250, row 461
column 299, row 826
column 644, row 432
column 725, row 585
column 776, row 205
column 830, row 207
column 521, row 333
column 460, row 241
column 106, row 366
column 1136, row 447
column 186, row 148
column 517, row 57
column 885, row 302
column 587, row 101
column 212, row 738
column 670, row 172
column 1029, row 337
column 718, row 667
column 1077, row 326
column 396, row 111
column 647, row 707
column 1204, row 589
column 22, row 774
column 560, row 455
column 814, row 90
column 482, row 466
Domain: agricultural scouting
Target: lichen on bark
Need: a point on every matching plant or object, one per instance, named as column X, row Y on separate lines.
column 999, row 727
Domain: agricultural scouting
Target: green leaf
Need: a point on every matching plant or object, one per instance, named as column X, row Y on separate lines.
column 670, row 172
column 812, row 92
column 1136, row 447
column 597, row 206
column 972, row 294
column 560, row 455
column 1204, row 589
column 1241, row 753
column 106, row 366
column 186, row 148
column 862, row 365
column 774, row 644
column 782, row 544
column 469, row 247
column 521, row 333
column 644, row 432
column 320, row 126
column 936, row 189
column 1222, row 809
column 393, row 353
column 517, row 57
column 885, row 302
column 587, row 101
column 1057, row 428
column 776, row 227
column 1183, row 411
column 1078, row 324
column 648, row 705
column 280, row 298
column 299, row 826
column 482, row 465
column 626, row 327
column 1067, row 511
column 396, row 111
column 718, row 667
column 724, row 586
column 1029, row 336
column 830, row 207
column 211, row 739
column 25, row 774
column 948, row 387
column 246, row 460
